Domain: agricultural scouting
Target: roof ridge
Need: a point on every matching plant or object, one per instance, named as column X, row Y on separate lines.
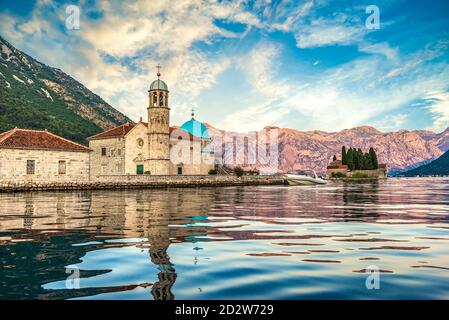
column 103, row 132
column 7, row 134
column 38, row 139
column 67, row 140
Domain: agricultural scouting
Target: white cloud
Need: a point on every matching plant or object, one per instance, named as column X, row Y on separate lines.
column 260, row 70
column 391, row 122
column 324, row 33
column 349, row 95
column 440, row 108
column 140, row 33
column 115, row 56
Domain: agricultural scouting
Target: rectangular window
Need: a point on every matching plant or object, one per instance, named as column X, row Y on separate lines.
column 103, row 151
column 62, row 167
column 119, row 152
column 31, row 166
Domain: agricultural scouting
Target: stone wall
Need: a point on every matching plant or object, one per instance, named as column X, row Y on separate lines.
column 144, row 181
column 379, row 173
column 187, row 153
column 114, row 160
column 136, row 148
column 13, row 166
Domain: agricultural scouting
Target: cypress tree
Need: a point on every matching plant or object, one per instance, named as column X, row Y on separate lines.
column 334, row 158
column 356, row 159
column 350, row 159
column 367, row 163
column 360, row 159
column 373, row 156
column 344, row 158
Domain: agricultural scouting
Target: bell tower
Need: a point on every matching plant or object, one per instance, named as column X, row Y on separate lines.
column 158, row 162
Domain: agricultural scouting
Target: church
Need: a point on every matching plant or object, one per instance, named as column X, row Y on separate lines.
column 153, row 147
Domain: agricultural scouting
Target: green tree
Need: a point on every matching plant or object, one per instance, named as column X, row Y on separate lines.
column 373, row 156
column 350, row 159
column 334, row 158
column 355, row 159
column 238, row 171
column 367, row 163
column 344, row 158
column 359, row 161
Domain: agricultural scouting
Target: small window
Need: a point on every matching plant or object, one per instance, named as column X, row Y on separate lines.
column 31, row 166
column 140, row 142
column 119, row 152
column 103, row 151
column 62, row 167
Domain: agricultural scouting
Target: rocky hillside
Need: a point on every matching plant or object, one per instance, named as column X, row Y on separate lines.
column 437, row 167
column 401, row 150
column 36, row 96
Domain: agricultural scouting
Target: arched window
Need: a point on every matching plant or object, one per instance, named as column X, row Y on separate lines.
column 161, row 99
column 154, row 103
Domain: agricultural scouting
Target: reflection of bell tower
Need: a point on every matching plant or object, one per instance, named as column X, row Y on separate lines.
column 159, row 238
column 158, row 128
column 161, row 289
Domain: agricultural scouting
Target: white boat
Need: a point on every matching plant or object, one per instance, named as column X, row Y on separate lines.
column 304, row 177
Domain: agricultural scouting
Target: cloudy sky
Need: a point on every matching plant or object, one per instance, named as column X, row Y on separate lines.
column 242, row 65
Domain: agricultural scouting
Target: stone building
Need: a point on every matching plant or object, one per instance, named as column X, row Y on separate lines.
column 41, row 156
column 153, row 147
column 337, row 169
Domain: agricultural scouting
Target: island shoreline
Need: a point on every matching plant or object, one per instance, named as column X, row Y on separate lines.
column 142, row 182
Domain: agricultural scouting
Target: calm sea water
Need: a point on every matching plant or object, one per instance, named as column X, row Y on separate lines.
column 228, row 243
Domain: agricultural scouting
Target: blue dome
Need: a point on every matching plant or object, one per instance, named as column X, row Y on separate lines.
column 158, row 85
column 196, row 128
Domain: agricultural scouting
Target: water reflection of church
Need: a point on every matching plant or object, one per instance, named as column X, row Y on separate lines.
column 98, row 215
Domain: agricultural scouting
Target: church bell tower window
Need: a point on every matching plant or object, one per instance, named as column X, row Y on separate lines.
column 154, row 102
column 161, row 99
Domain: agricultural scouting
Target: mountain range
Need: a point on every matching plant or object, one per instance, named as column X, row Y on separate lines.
column 437, row 167
column 36, row 96
column 401, row 150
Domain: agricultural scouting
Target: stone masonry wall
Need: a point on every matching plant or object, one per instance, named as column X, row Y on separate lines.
column 145, row 181
column 135, row 153
column 114, row 160
column 13, row 166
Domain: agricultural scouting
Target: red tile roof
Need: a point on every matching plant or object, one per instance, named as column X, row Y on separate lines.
column 37, row 139
column 116, row 132
column 121, row 131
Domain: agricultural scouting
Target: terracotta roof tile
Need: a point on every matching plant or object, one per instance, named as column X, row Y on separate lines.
column 37, row 139
column 116, row 132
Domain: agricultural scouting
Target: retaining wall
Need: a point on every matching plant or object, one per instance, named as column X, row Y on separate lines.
column 142, row 181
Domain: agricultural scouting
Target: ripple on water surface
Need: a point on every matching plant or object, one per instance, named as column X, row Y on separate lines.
column 319, row 242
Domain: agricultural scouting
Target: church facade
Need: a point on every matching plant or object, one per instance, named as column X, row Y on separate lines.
column 153, row 147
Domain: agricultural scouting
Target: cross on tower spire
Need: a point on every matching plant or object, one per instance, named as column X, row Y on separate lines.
column 192, row 113
column 158, row 70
